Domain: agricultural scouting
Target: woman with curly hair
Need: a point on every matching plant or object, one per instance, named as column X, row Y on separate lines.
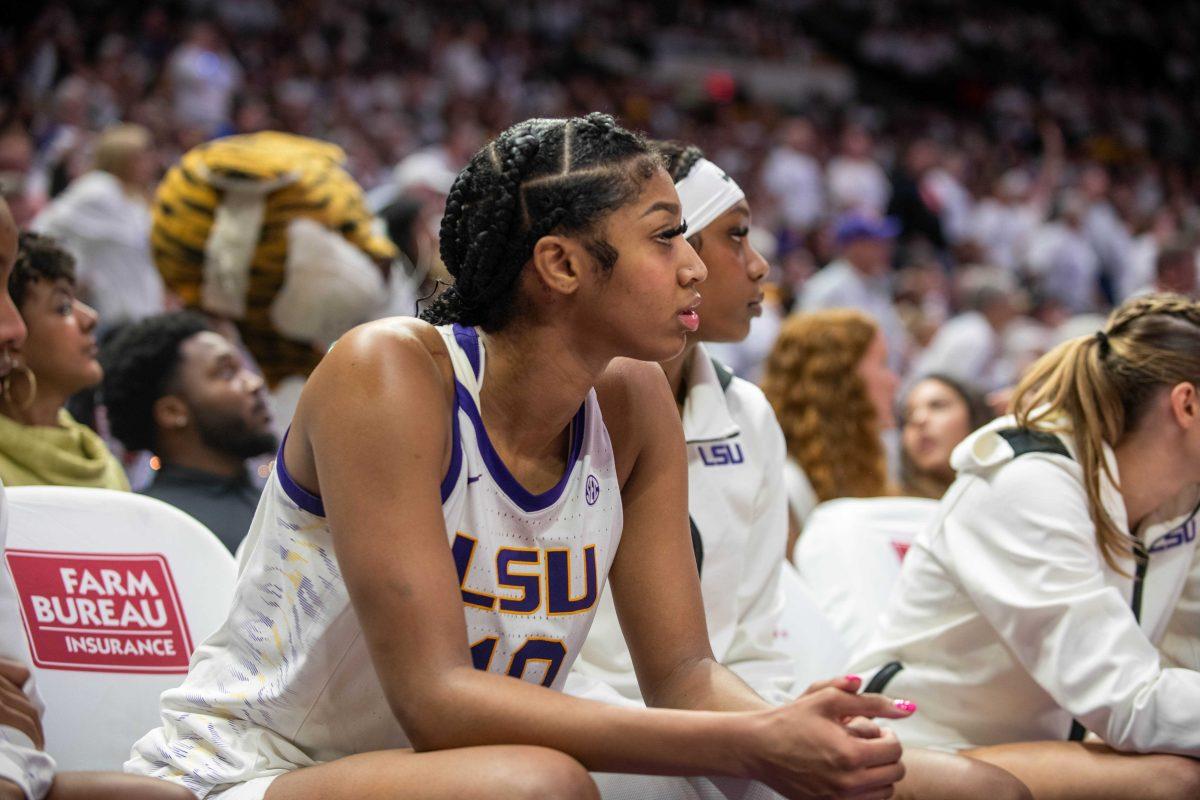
column 832, row 390
column 41, row 444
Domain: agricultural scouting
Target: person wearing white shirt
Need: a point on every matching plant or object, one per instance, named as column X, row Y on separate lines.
column 856, row 181
column 861, row 278
column 792, row 175
column 103, row 219
column 1063, row 260
column 1029, row 612
column 969, row 347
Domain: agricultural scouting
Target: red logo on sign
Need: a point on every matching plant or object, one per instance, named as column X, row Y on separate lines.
column 101, row 613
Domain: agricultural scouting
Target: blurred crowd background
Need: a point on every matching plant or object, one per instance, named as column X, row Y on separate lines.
column 991, row 176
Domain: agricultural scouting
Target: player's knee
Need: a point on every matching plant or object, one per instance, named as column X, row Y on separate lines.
column 551, row 775
column 994, row 783
column 1173, row 778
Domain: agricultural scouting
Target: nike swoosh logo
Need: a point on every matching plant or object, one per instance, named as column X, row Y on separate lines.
column 473, row 478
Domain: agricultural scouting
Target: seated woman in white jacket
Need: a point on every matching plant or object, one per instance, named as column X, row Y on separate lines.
column 1031, row 609
column 738, row 511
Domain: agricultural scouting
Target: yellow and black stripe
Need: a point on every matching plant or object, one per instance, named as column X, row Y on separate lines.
column 186, row 203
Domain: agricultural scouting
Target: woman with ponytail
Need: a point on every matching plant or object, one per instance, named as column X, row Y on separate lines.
column 1049, row 620
column 447, row 506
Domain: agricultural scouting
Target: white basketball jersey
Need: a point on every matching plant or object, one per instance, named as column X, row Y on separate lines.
column 287, row 681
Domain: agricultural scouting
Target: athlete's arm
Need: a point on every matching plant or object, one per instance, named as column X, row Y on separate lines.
column 1024, row 549
column 375, row 419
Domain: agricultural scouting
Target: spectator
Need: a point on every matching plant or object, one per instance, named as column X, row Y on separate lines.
column 17, row 185
column 912, row 202
column 1063, row 261
column 27, row 772
column 856, row 181
column 175, row 387
column 1175, row 271
column 792, row 176
column 103, row 218
column 828, row 380
column 1140, row 271
column 275, row 236
column 1106, row 232
column 204, row 77
column 938, row 412
column 861, row 278
column 40, row 442
column 970, row 346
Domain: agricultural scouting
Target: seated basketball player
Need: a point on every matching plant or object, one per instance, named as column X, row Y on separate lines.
column 1056, row 592
column 737, row 502
column 445, row 511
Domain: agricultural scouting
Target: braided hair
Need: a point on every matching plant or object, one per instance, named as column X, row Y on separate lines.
column 539, row 177
column 678, row 157
column 1098, row 388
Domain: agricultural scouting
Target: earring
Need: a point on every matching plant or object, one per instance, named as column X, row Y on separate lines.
column 6, row 387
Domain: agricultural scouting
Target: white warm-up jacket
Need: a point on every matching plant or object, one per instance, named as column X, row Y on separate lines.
column 739, row 514
column 1008, row 626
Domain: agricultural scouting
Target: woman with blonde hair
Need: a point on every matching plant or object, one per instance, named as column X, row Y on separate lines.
column 828, row 380
column 1056, row 592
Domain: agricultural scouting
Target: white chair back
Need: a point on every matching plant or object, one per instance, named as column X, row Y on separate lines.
column 806, row 634
column 849, row 556
column 116, row 590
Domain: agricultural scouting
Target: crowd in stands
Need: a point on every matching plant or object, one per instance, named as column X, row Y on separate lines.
column 210, row 192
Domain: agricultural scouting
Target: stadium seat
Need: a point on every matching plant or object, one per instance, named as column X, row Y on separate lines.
column 849, row 556
column 116, row 591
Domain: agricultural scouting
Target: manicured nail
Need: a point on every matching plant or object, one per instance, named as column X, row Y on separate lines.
column 854, row 679
column 907, row 706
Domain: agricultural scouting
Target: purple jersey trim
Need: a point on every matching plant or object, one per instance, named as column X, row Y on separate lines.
column 314, row 505
column 298, row 494
column 468, row 340
column 524, row 499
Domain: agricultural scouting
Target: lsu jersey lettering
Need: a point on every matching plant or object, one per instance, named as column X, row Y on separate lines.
column 287, row 681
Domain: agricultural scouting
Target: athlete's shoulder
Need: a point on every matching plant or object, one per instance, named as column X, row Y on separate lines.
column 386, row 358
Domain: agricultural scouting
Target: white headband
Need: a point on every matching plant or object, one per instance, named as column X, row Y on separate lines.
column 706, row 193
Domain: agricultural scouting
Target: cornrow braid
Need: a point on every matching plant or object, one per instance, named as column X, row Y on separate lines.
column 678, row 157
column 538, row 177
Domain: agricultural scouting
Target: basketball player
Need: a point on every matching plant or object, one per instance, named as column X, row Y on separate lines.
column 737, row 504
column 363, row 658
column 1066, row 555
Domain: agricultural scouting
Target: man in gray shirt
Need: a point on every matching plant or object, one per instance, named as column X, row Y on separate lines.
column 175, row 387
column 861, row 278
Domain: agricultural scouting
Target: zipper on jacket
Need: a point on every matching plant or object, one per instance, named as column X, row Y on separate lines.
column 1142, row 558
column 1139, row 578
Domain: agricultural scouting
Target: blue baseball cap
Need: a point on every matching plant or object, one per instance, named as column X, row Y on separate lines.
column 856, row 225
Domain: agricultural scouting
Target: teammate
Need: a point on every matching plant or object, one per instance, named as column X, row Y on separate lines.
column 345, row 669
column 1032, row 608
column 736, row 498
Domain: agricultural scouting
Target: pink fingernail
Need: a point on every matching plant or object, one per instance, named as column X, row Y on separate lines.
column 854, row 679
column 907, row 706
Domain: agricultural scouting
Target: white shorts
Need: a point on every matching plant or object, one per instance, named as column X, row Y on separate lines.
column 250, row 790
column 659, row 787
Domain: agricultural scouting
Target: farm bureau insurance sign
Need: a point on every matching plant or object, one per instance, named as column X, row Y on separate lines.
column 101, row 612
